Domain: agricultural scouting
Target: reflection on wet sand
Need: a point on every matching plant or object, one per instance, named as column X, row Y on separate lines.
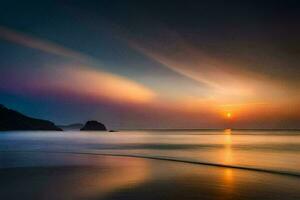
column 88, row 177
column 117, row 174
column 105, row 177
column 228, row 157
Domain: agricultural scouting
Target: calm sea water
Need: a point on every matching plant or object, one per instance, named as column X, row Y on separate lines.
column 274, row 151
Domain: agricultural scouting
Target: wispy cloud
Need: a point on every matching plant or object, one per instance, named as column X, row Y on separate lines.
column 226, row 83
column 39, row 44
column 79, row 79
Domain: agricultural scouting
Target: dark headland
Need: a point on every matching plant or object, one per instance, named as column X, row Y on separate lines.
column 12, row 120
column 93, row 126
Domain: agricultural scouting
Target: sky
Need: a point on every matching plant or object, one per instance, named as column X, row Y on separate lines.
column 153, row 64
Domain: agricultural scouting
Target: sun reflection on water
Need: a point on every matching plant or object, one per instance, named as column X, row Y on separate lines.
column 228, row 157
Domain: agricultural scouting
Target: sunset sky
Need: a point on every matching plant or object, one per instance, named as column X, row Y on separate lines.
column 132, row 64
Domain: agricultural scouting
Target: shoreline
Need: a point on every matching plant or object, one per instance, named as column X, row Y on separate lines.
column 269, row 171
column 112, row 177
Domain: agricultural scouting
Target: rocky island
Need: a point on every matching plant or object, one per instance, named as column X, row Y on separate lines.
column 93, row 126
column 12, row 120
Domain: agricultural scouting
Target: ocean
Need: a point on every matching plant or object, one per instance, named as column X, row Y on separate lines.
column 274, row 151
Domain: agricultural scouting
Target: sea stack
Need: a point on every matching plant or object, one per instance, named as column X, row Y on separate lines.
column 11, row 120
column 93, row 126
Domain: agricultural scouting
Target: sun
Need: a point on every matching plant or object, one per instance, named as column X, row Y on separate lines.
column 228, row 115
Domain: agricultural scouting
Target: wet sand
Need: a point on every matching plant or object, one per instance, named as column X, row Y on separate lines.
column 59, row 176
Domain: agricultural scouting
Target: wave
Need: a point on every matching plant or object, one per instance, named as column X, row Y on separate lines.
column 170, row 159
column 155, row 146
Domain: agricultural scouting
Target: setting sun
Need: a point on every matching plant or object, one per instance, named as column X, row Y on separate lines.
column 229, row 115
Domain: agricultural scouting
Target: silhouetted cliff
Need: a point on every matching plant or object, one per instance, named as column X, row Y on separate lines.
column 13, row 120
column 93, row 126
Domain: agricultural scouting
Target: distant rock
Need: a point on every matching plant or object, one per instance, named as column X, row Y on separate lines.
column 93, row 126
column 12, row 120
column 113, row 131
column 75, row 126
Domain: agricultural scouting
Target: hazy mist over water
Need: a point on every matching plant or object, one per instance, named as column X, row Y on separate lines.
column 277, row 151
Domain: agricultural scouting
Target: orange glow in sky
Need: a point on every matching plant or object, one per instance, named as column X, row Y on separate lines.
column 199, row 84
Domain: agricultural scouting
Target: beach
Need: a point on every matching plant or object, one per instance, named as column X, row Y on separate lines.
column 107, row 177
column 150, row 165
